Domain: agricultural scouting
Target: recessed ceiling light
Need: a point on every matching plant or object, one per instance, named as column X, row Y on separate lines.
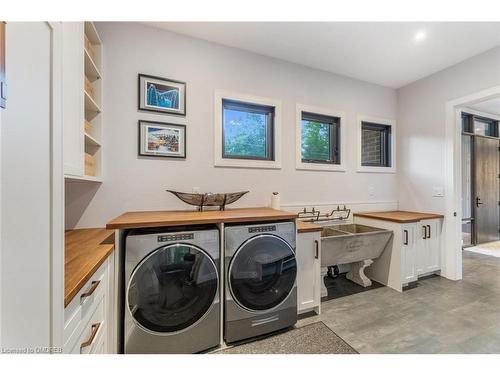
column 419, row 36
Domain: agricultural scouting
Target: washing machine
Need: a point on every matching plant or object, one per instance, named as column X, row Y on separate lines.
column 171, row 296
column 260, row 279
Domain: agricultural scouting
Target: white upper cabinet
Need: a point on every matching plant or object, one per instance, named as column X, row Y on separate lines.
column 72, row 98
column 82, row 101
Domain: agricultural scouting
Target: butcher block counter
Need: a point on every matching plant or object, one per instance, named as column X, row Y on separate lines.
column 150, row 219
column 306, row 227
column 398, row 216
column 85, row 251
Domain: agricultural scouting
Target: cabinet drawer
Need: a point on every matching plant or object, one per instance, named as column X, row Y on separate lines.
column 93, row 332
column 83, row 305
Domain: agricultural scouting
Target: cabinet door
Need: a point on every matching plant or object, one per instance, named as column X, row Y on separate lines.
column 432, row 245
column 308, row 271
column 409, row 253
column 72, row 98
column 422, row 252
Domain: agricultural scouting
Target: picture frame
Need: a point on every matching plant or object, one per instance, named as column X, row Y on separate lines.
column 161, row 95
column 3, row 84
column 162, row 139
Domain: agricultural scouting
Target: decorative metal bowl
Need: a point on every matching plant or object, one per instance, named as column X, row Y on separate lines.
column 208, row 199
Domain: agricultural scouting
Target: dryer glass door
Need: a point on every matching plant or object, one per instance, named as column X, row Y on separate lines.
column 262, row 272
column 172, row 288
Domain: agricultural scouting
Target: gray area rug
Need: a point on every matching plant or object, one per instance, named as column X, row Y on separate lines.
column 315, row 338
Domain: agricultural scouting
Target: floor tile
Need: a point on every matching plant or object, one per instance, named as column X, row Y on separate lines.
column 438, row 316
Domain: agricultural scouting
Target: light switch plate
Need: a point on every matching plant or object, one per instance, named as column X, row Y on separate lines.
column 438, row 191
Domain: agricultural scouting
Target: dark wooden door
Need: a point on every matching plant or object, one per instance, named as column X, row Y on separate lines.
column 487, row 189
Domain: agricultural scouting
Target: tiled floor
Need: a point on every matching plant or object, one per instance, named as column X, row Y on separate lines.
column 491, row 248
column 439, row 316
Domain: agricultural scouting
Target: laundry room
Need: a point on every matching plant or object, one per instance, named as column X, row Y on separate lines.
column 230, row 188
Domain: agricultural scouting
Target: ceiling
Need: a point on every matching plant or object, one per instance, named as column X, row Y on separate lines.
column 489, row 106
column 384, row 53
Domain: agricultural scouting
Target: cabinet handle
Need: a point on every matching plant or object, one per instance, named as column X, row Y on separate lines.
column 406, row 237
column 425, row 231
column 428, row 226
column 95, row 328
column 316, row 242
column 91, row 291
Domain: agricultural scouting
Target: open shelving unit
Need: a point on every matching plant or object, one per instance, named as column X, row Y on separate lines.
column 92, row 103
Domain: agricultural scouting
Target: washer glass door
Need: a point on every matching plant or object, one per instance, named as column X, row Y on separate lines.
column 172, row 288
column 262, row 272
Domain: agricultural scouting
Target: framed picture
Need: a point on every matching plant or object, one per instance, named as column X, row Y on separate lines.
column 163, row 95
column 3, row 85
column 162, row 139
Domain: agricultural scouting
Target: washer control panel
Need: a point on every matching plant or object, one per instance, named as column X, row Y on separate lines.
column 264, row 228
column 176, row 237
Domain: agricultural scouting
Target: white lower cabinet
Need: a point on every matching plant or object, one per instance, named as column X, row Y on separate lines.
column 87, row 317
column 308, row 254
column 414, row 251
column 409, row 253
column 429, row 254
column 421, row 249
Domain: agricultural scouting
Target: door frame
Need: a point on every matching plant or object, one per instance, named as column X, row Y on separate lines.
column 452, row 254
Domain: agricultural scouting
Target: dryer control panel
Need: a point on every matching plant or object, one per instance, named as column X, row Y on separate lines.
column 175, row 237
column 261, row 229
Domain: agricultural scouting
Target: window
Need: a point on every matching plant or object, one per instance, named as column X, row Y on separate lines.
column 247, row 131
column 320, row 138
column 375, row 145
column 479, row 125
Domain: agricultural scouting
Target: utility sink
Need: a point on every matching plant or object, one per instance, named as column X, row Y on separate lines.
column 353, row 244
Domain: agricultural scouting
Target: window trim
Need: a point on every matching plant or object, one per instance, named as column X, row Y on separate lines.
column 219, row 160
column 376, row 169
column 317, row 166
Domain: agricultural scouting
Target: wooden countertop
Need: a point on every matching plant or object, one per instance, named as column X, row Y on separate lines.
column 149, row 219
column 306, row 227
column 85, row 250
column 398, row 216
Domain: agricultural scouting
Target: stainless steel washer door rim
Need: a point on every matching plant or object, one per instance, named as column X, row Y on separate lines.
column 172, row 289
column 262, row 275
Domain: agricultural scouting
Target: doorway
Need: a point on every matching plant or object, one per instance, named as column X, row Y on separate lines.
column 453, row 225
column 480, row 178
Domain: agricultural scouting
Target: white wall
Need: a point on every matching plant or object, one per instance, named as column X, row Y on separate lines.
column 421, row 126
column 26, row 185
column 133, row 183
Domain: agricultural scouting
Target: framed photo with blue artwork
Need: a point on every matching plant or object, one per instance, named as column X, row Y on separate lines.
column 157, row 94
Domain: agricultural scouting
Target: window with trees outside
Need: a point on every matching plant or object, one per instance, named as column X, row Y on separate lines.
column 247, row 131
column 320, row 138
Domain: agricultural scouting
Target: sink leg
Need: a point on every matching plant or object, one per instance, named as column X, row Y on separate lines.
column 324, row 292
column 357, row 273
